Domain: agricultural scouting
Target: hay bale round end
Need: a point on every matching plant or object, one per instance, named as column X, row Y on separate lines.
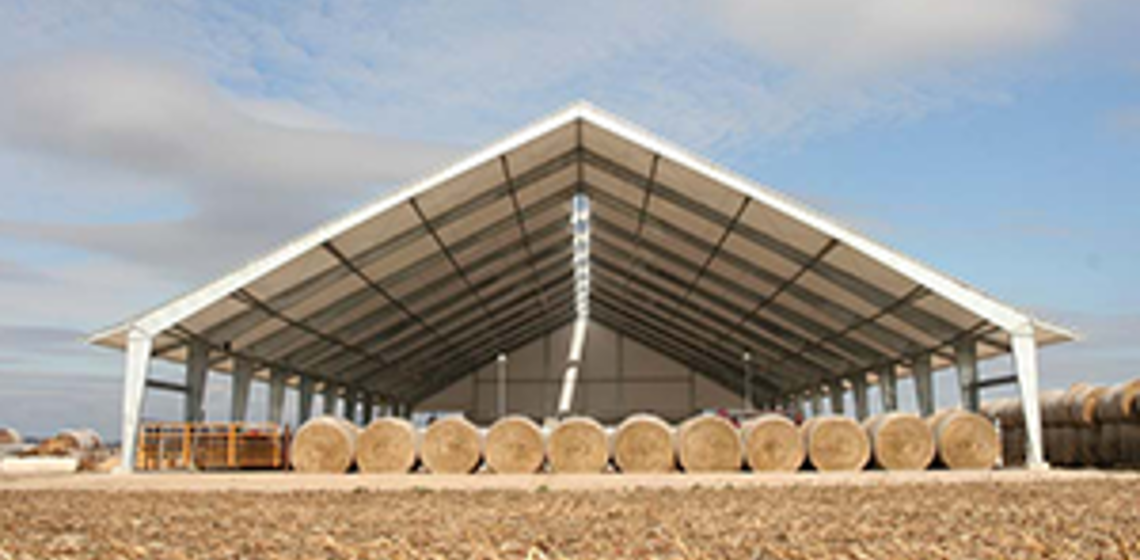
column 643, row 443
column 387, row 445
column 900, row 442
column 709, row 443
column 451, row 445
column 578, row 445
column 772, row 443
column 836, row 443
column 326, row 444
column 515, row 446
column 964, row 440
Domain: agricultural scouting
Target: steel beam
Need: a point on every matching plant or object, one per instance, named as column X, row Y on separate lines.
column 856, row 286
column 881, row 335
column 859, row 386
column 966, row 359
column 889, row 387
column 924, row 384
column 277, row 380
column 305, row 410
column 365, row 328
column 330, row 398
column 244, row 322
column 835, row 395
column 197, row 375
column 1025, row 361
column 242, row 381
column 139, row 346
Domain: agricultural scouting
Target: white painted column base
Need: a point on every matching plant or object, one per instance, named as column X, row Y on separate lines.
column 139, row 345
column 1025, row 360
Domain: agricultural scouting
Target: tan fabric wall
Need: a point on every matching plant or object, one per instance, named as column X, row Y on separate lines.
column 618, row 378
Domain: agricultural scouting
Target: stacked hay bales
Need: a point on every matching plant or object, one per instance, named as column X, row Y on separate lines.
column 1083, row 426
column 772, row 443
column 835, row 443
column 387, row 445
column 1118, row 414
column 643, row 443
column 900, row 441
column 326, row 444
column 964, row 440
column 451, row 445
column 709, row 443
column 514, row 445
column 578, row 445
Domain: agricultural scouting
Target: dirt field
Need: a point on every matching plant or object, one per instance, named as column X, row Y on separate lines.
column 1052, row 516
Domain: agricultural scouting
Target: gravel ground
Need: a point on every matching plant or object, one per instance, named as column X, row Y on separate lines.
column 1037, row 519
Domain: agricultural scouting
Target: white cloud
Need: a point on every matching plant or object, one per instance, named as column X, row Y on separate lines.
column 245, row 173
column 845, row 38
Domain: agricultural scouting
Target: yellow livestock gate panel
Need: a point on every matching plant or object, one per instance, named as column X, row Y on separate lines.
column 212, row 446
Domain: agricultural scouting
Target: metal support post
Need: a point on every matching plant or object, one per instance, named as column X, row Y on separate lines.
column 966, row 358
column 242, row 383
column 924, row 384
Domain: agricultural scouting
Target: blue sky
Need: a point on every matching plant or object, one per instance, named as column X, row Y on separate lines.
column 148, row 146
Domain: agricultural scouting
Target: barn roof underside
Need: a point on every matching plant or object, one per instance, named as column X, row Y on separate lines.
column 420, row 288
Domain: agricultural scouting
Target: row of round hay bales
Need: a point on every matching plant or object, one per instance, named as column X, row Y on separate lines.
column 1084, row 425
column 644, row 443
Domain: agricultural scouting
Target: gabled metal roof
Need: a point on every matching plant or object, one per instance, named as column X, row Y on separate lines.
column 422, row 286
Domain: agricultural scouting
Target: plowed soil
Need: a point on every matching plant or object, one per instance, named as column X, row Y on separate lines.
column 976, row 520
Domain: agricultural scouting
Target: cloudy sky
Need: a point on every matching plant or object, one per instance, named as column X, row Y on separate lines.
column 146, row 147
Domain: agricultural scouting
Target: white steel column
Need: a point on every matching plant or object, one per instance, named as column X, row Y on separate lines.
column 242, row 382
column 835, row 391
column 1025, row 360
column 197, row 373
column 580, row 222
column 330, row 398
column 139, row 345
column 501, row 384
column 889, row 388
column 816, row 402
column 924, row 384
column 277, row 396
column 966, row 358
column 859, row 386
column 305, row 410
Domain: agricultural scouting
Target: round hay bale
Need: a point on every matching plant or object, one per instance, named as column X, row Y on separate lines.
column 1083, row 403
column 772, row 444
column 835, row 443
column 325, row 444
column 1109, row 450
column 709, row 443
column 578, row 445
column 387, row 445
column 515, row 446
column 964, row 440
column 9, row 436
column 900, row 442
column 451, row 445
column 643, row 443
column 81, row 440
column 1013, row 446
column 1130, row 444
column 1119, row 403
column 1054, row 408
